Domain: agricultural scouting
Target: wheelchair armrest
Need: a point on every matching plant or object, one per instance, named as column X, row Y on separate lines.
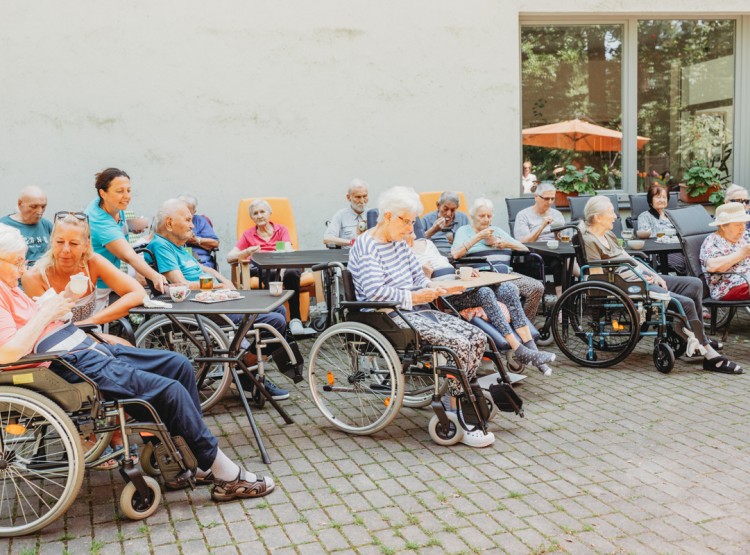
column 368, row 304
column 34, row 359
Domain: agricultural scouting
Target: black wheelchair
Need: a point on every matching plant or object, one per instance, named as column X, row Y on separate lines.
column 51, row 431
column 364, row 368
column 600, row 320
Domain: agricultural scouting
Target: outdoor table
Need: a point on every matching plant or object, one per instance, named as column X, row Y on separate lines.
column 266, row 261
column 250, row 306
column 566, row 253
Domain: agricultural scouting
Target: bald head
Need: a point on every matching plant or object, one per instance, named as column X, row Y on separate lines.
column 32, row 202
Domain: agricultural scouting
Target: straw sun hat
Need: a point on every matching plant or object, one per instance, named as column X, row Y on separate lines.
column 730, row 212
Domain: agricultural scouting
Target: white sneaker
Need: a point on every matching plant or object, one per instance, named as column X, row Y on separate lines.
column 296, row 327
column 659, row 296
column 477, row 438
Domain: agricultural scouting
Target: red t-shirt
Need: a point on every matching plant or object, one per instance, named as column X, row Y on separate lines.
column 251, row 238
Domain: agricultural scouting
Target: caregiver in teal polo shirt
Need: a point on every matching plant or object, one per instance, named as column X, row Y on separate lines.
column 109, row 230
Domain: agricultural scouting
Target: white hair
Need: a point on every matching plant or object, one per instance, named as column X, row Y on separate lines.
column 189, row 199
column 595, row 206
column 357, row 183
column 167, row 210
column 398, row 200
column 481, row 202
column 259, row 202
column 735, row 191
column 543, row 187
column 12, row 243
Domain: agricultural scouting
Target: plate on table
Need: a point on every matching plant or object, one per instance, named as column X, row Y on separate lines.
column 218, row 296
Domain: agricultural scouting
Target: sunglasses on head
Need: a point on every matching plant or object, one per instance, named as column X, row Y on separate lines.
column 77, row 215
column 741, row 201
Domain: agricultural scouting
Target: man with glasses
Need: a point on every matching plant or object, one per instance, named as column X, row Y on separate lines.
column 35, row 230
column 441, row 225
column 534, row 224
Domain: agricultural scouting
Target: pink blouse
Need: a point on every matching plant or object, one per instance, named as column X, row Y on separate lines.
column 251, row 238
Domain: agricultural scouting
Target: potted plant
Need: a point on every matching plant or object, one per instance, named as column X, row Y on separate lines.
column 702, row 183
column 575, row 182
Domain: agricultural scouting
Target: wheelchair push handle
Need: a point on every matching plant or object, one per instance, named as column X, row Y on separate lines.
column 327, row 265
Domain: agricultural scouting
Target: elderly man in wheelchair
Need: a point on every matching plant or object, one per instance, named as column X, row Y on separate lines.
column 598, row 322
column 156, row 386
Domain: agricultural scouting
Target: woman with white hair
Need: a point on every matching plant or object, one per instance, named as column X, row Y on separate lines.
column 601, row 244
column 481, row 236
column 262, row 237
column 163, row 379
column 384, row 269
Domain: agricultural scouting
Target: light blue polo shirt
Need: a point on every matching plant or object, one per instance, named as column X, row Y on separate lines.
column 171, row 257
column 104, row 230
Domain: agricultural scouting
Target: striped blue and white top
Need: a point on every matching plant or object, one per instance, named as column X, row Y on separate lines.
column 385, row 271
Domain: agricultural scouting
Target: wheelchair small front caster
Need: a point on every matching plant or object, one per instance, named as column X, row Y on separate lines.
column 450, row 436
column 149, row 464
column 663, row 358
column 136, row 507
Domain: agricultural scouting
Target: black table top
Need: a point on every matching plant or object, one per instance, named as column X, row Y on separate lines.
column 257, row 301
column 300, row 259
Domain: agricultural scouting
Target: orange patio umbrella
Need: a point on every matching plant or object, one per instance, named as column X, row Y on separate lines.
column 576, row 134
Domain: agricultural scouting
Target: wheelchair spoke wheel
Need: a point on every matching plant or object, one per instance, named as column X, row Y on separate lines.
column 419, row 387
column 41, row 461
column 213, row 378
column 355, row 378
column 595, row 324
column 663, row 357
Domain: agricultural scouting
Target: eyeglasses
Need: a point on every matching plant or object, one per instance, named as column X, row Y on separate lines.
column 741, row 201
column 77, row 215
column 548, row 199
column 20, row 266
column 407, row 221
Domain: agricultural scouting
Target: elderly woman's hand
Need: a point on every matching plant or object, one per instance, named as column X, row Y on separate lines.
column 56, row 307
column 485, row 234
column 426, row 295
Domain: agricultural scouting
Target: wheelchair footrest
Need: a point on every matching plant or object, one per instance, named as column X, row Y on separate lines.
column 506, row 399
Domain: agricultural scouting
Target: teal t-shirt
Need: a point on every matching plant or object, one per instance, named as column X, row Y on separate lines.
column 171, row 257
column 36, row 236
column 104, row 230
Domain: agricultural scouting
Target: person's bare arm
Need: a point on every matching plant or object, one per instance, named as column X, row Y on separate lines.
column 130, row 291
column 728, row 261
column 338, row 241
column 122, row 250
column 23, row 341
column 236, row 254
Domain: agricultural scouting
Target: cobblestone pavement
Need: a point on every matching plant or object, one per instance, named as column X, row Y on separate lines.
column 624, row 460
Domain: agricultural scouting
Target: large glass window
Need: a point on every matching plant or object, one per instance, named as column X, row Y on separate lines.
column 571, row 78
column 682, row 99
column 685, row 97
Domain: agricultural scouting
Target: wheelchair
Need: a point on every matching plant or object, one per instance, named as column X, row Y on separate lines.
column 364, row 368
column 203, row 342
column 599, row 321
column 43, row 422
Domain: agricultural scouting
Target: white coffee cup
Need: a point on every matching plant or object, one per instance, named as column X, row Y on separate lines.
column 553, row 244
column 288, row 246
column 178, row 293
column 464, row 272
column 79, row 283
column 275, row 288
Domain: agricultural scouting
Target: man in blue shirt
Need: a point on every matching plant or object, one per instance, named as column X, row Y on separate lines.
column 35, row 230
column 441, row 225
column 174, row 226
column 204, row 239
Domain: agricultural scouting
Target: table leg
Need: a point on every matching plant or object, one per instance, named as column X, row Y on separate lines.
column 253, row 426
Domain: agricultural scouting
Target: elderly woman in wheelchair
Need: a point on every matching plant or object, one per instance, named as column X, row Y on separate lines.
column 514, row 327
column 386, row 275
column 609, row 313
column 155, row 386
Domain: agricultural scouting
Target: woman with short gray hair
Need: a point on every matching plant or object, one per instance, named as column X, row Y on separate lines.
column 481, row 236
column 600, row 243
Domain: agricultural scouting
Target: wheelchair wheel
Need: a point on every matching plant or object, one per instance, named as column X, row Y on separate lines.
column 595, row 324
column 663, row 357
column 136, row 507
column 355, row 378
column 161, row 333
column 149, row 464
column 41, row 461
column 419, row 386
column 723, row 317
column 443, row 436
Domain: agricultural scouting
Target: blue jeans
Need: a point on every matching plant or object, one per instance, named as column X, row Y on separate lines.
column 164, row 379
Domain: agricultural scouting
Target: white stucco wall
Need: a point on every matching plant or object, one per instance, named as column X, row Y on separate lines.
column 267, row 98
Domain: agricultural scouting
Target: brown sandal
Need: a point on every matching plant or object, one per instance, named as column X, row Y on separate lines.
column 241, row 489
